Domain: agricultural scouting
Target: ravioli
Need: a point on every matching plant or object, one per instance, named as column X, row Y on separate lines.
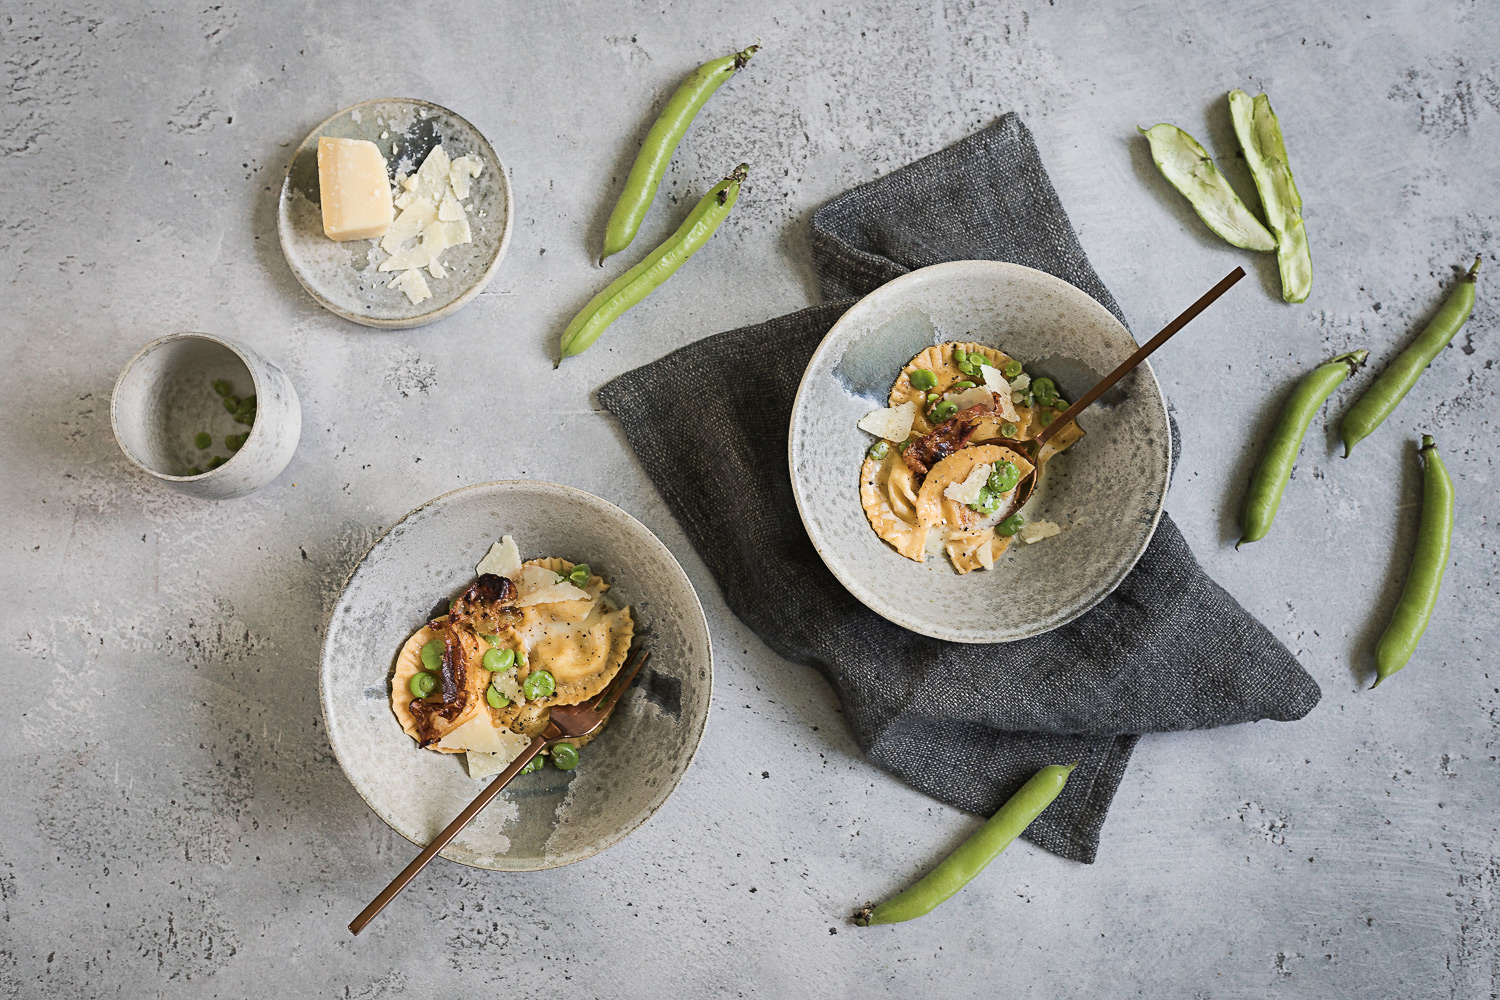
column 908, row 492
column 582, row 642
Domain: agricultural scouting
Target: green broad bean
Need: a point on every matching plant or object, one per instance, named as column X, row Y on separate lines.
column 1012, row 369
column 1004, row 477
column 942, row 411
column 1274, row 471
column 193, row 470
column 422, row 684
column 1010, row 526
column 494, row 697
column 630, row 288
column 965, row 384
column 534, row 764
column 432, row 654
column 923, row 380
column 1392, row 385
column 579, row 575
column 1419, row 596
column 538, row 684
column 973, row 855
column 203, row 440
column 879, row 450
column 1009, row 429
column 222, row 387
column 661, row 142
column 565, row 756
column 989, row 502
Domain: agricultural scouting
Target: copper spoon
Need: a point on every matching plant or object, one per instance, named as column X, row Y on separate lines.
column 1033, row 449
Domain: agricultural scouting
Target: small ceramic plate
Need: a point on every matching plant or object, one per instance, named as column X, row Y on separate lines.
column 1106, row 491
column 548, row 818
column 344, row 277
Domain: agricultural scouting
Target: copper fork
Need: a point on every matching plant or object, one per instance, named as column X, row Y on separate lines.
column 1033, row 448
column 566, row 722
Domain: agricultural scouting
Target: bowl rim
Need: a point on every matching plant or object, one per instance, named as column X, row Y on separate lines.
column 818, row 365
column 695, row 739
column 245, row 356
column 421, row 319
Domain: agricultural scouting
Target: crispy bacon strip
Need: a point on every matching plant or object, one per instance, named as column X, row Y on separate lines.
column 949, row 436
column 487, row 606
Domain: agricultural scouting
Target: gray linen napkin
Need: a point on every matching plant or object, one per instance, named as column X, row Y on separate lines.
column 1168, row 650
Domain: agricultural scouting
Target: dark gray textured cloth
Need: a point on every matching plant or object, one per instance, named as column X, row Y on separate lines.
column 1168, row 650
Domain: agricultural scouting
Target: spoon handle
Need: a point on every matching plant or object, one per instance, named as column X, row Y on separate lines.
column 1142, row 352
column 442, row 840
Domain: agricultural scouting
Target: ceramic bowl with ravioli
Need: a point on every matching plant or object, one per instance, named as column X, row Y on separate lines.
column 550, row 817
column 1099, row 501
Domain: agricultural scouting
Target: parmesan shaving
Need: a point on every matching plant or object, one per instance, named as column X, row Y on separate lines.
column 413, row 284
column 891, row 422
column 995, row 382
column 969, row 397
column 539, row 585
column 430, row 212
column 968, row 491
column 503, row 559
column 1034, row 531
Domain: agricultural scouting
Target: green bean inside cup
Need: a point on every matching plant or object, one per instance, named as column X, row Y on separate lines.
column 242, row 411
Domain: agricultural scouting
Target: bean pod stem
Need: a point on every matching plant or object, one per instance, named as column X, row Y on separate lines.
column 1387, row 391
column 1275, row 469
column 635, row 284
column 970, row 858
column 661, row 142
column 1419, row 596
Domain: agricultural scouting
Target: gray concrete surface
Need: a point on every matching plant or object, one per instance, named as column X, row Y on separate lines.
column 174, row 824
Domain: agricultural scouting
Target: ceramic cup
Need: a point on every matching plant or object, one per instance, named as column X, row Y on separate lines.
column 165, row 397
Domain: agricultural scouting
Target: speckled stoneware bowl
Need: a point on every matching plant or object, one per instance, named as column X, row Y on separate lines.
column 548, row 818
column 165, row 397
column 1106, row 490
column 344, row 277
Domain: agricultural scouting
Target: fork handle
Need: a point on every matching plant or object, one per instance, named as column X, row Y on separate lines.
column 449, row 832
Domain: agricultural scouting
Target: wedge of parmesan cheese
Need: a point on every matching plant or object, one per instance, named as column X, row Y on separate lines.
column 1034, row 531
column 890, row 422
column 968, row 491
column 1021, row 382
column 539, row 585
column 503, row 559
column 995, row 382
